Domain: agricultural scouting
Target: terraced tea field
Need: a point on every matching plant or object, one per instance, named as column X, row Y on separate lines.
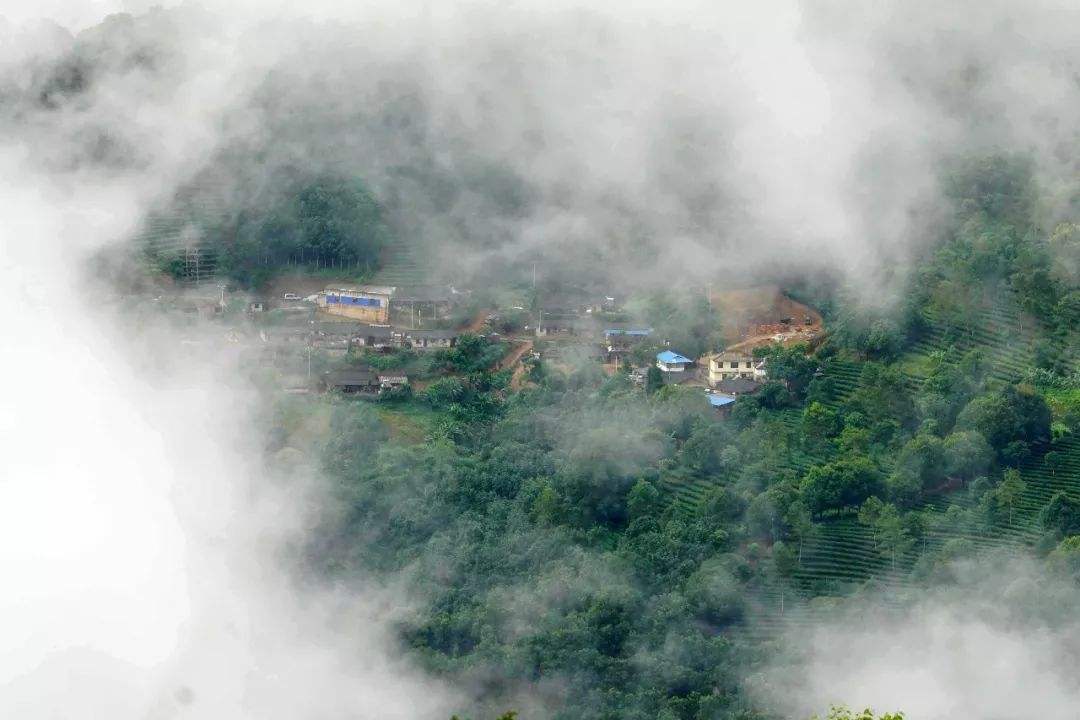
column 1005, row 339
column 169, row 233
column 403, row 264
column 843, row 555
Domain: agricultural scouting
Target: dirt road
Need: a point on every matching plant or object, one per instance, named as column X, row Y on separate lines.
column 514, row 356
column 753, row 316
column 513, row 359
column 302, row 284
column 517, row 380
column 787, row 338
column 477, row 323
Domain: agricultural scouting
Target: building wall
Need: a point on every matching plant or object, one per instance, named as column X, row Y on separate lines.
column 368, row 307
column 670, row 367
column 724, row 411
column 431, row 343
column 722, row 370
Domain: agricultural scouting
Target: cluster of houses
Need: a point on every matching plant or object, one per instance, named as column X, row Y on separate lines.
column 366, row 317
column 340, row 336
column 729, row 374
column 335, row 338
column 363, row 322
column 724, row 375
column 574, row 315
column 375, row 318
column 727, row 367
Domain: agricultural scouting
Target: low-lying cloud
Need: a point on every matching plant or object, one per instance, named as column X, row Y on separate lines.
column 653, row 144
column 1002, row 643
column 143, row 538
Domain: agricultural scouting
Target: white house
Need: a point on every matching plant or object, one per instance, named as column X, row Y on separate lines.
column 729, row 365
column 669, row 361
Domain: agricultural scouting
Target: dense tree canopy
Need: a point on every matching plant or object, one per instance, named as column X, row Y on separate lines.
column 324, row 222
column 1011, row 420
column 843, row 483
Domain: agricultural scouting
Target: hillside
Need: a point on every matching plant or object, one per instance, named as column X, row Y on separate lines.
column 843, row 555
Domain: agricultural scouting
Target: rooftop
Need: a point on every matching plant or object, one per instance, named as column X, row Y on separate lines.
column 374, row 331
column 717, row 400
column 732, row 356
column 433, row 334
column 369, row 289
column 559, row 311
column 738, row 386
column 672, row 358
column 353, row 376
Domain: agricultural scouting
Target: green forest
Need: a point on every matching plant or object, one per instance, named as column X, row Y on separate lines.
column 308, row 222
column 631, row 554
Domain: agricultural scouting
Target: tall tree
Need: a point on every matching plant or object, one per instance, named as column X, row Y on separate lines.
column 784, row 565
column 1009, row 492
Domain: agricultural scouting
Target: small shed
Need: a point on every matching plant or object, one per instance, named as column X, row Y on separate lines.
column 721, row 403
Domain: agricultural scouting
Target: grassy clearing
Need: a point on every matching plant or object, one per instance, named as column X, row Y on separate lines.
column 1062, row 401
column 916, row 365
column 408, row 423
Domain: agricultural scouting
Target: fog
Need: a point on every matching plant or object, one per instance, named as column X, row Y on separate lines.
column 142, row 536
column 144, row 539
column 1001, row 643
column 638, row 143
column 690, row 142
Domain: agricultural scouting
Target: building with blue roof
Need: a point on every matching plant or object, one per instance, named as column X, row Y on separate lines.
column 669, row 361
column 719, row 401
